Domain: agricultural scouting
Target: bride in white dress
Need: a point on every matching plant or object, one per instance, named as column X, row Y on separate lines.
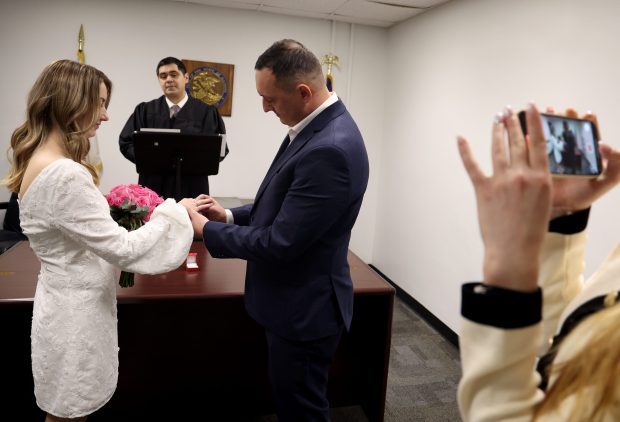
column 68, row 223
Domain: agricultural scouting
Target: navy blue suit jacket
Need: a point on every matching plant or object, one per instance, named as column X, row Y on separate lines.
column 295, row 237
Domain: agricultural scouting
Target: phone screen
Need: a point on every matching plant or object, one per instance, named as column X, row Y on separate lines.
column 572, row 145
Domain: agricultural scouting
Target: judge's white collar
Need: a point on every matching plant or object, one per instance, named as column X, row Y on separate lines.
column 180, row 103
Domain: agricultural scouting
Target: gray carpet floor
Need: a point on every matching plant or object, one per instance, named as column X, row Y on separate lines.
column 423, row 374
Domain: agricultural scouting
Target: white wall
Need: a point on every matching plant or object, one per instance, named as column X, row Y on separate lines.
column 450, row 70
column 126, row 39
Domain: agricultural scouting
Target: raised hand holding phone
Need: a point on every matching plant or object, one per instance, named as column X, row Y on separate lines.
column 571, row 194
column 514, row 202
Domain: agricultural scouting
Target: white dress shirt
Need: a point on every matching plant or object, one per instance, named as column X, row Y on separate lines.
column 293, row 131
column 180, row 103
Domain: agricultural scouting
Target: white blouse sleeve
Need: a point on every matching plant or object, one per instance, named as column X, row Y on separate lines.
column 82, row 213
column 561, row 278
column 499, row 380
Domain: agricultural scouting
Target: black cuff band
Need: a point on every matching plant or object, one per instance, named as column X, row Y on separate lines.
column 570, row 224
column 501, row 308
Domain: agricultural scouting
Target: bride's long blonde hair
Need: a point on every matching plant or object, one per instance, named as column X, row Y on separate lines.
column 65, row 94
column 591, row 378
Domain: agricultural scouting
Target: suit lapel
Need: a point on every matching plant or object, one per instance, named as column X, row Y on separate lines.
column 274, row 164
column 283, row 147
column 286, row 153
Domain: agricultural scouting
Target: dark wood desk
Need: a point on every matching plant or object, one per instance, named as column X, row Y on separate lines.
column 187, row 346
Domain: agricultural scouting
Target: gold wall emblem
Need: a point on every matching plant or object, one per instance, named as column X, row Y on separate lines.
column 208, row 85
column 211, row 83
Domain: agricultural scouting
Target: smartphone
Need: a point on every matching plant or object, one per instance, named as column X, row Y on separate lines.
column 572, row 145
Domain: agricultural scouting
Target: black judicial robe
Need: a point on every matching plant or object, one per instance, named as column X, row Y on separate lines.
column 195, row 118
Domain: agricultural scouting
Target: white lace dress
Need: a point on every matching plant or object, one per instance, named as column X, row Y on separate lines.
column 74, row 333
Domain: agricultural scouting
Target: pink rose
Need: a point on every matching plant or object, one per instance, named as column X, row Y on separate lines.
column 138, row 195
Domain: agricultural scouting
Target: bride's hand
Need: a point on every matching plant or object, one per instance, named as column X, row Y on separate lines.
column 198, row 223
column 189, row 204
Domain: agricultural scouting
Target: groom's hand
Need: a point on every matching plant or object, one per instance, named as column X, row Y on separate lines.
column 210, row 208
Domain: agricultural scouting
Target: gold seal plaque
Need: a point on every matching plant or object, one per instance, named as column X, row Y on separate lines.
column 211, row 83
column 208, row 85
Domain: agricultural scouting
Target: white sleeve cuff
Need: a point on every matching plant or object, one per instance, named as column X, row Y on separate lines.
column 229, row 216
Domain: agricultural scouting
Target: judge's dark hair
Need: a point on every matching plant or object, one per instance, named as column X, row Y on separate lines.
column 291, row 63
column 171, row 60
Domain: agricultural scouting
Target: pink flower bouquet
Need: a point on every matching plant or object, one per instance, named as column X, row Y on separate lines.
column 131, row 206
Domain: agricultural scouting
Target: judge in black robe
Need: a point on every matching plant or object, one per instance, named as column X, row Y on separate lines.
column 195, row 117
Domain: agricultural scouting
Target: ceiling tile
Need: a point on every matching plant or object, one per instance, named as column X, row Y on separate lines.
column 231, row 4
column 319, row 6
column 295, row 12
column 410, row 3
column 368, row 12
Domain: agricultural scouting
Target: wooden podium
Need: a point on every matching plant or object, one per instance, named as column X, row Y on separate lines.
column 187, row 346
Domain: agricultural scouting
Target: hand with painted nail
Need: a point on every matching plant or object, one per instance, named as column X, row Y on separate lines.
column 514, row 202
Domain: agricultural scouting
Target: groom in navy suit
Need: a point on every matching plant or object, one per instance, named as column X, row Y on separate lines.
column 295, row 236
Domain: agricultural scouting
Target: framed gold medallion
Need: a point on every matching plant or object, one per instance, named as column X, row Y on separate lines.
column 211, row 83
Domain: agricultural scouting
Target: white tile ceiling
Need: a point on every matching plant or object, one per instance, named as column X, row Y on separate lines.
column 383, row 13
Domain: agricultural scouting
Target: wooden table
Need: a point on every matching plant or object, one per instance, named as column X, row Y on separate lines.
column 187, row 346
